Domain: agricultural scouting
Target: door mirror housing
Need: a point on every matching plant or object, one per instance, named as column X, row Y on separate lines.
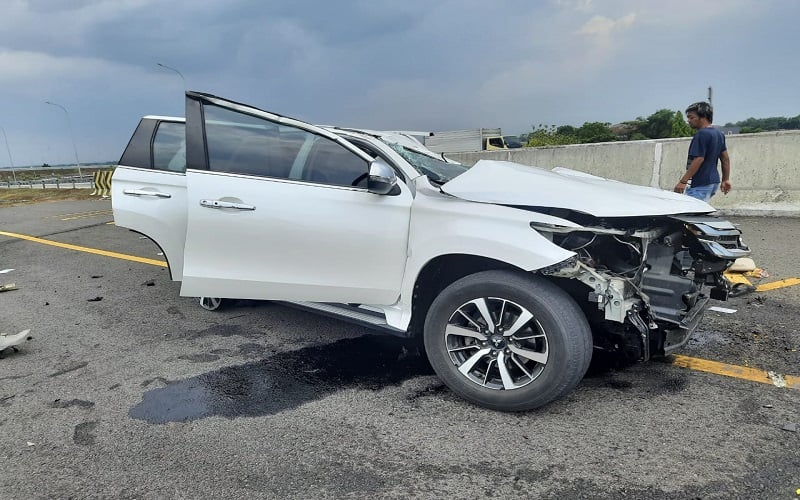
column 382, row 178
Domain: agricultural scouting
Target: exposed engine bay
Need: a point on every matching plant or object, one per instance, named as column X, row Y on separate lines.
column 644, row 282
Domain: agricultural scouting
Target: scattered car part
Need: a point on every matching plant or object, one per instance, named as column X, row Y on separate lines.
column 7, row 340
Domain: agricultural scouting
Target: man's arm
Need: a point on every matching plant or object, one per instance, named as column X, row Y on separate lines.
column 693, row 168
column 726, row 185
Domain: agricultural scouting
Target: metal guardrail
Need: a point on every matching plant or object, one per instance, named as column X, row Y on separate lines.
column 70, row 182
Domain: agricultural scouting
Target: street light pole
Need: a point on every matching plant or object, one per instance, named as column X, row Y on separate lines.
column 71, row 134
column 13, row 172
column 176, row 71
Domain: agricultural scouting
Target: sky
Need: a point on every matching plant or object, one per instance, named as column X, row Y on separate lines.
column 425, row 65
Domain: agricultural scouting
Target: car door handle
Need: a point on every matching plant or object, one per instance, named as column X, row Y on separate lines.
column 225, row 204
column 141, row 192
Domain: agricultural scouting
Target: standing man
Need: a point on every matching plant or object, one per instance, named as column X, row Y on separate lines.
column 707, row 148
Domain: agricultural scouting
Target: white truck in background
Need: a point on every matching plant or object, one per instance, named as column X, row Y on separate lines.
column 460, row 141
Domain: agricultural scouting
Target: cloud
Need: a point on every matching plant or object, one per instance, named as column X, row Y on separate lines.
column 601, row 26
column 576, row 5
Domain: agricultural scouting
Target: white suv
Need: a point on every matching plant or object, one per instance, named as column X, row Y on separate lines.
column 511, row 274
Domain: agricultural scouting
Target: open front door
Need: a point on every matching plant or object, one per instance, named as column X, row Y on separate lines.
column 279, row 209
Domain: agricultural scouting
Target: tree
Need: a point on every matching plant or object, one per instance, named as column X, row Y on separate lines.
column 769, row 124
column 679, row 126
column 549, row 136
column 750, row 130
column 591, row 132
column 658, row 125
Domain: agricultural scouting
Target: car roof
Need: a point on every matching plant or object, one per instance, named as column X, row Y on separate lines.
column 165, row 118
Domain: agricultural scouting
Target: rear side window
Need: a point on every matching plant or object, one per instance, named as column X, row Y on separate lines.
column 137, row 154
column 169, row 147
column 244, row 144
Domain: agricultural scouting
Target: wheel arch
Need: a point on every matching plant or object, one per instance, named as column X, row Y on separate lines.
column 440, row 272
column 163, row 252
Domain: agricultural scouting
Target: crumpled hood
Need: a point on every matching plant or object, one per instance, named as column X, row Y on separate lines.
column 508, row 183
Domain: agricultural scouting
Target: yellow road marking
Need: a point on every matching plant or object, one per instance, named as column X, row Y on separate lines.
column 778, row 284
column 133, row 258
column 740, row 278
column 741, row 372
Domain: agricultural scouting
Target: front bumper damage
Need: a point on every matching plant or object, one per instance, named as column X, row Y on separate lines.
column 649, row 280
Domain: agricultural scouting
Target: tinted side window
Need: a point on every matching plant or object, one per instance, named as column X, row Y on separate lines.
column 137, row 153
column 244, row 144
column 169, row 147
column 330, row 163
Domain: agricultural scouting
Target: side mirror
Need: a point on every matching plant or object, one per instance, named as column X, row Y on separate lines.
column 382, row 179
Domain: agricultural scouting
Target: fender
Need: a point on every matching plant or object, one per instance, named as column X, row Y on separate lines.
column 442, row 225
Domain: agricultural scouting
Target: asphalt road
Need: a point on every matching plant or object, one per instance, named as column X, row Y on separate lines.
column 129, row 391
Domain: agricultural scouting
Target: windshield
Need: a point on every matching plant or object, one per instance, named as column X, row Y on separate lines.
column 437, row 170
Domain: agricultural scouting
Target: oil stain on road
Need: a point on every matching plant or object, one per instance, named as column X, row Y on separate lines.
column 285, row 380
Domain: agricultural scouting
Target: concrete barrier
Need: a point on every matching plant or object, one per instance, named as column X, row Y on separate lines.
column 765, row 167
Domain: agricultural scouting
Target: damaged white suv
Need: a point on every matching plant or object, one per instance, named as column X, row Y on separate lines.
column 511, row 274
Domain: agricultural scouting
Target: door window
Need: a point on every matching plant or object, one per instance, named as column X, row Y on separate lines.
column 244, row 144
column 169, row 147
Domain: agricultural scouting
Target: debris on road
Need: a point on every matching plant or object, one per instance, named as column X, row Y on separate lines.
column 8, row 287
column 5, row 271
column 778, row 380
column 790, row 426
column 743, row 268
column 739, row 289
column 742, row 265
column 12, row 341
column 725, row 310
column 149, row 283
column 96, row 299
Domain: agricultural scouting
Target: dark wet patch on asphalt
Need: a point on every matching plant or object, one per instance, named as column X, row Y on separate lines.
column 285, row 380
column 199, row 358
column 84, row 433
column 223, row 330
column 69, row 368
column 621, row 385
column 155, row 379
column 174, row 310
column 72, row 402
column 431, row 390
column 672, row 385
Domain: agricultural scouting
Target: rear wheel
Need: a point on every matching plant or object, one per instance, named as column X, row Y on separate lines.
column 507, row 340
column 212, row 303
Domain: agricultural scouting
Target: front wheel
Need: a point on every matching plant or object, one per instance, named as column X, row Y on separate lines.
column 507, row 340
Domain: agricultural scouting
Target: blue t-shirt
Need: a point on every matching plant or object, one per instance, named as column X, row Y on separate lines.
column 708, row 143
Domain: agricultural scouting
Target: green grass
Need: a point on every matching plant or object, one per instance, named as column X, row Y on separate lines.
column 34, row 174
column 25, row 196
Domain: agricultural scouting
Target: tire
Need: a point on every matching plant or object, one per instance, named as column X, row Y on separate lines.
column 213, row 303
column 542, row 339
